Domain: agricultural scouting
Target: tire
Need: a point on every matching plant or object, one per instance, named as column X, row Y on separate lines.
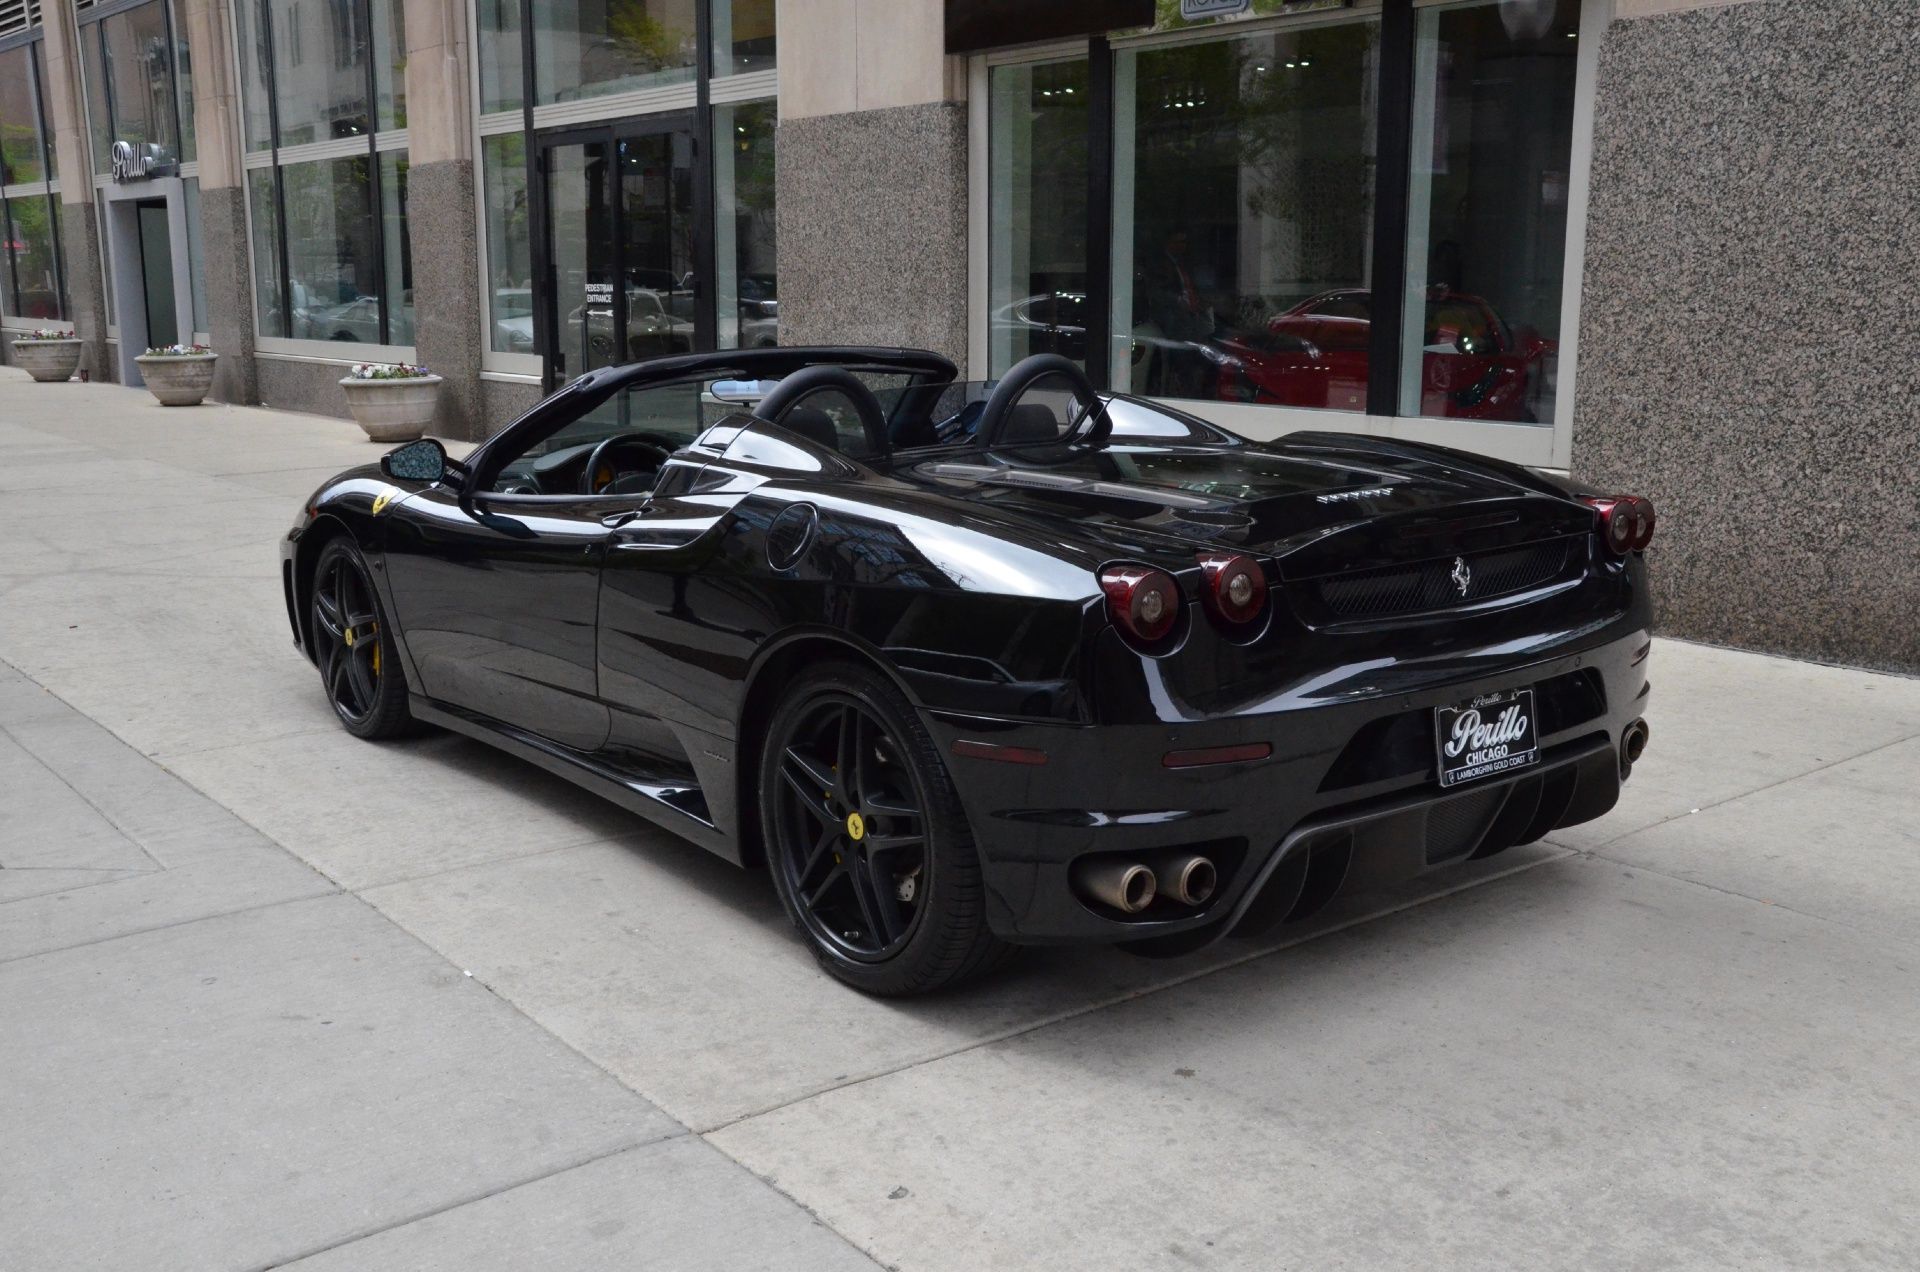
column 360, row 668
column 891, row 903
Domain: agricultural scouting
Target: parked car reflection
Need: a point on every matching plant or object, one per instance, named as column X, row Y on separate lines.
column 1473, row 364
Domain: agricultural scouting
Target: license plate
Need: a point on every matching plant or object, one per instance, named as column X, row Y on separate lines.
column 1494, row 733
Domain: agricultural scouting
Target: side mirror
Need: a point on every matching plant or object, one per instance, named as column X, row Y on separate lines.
column 424, row 460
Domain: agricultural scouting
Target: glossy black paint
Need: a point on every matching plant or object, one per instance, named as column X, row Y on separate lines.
column 635, row 643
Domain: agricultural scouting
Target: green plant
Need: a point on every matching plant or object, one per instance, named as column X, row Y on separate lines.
column 387, row 371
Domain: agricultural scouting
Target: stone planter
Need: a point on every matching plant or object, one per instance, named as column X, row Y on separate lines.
column 49, row 361
column 178, row 380
column 393, row 410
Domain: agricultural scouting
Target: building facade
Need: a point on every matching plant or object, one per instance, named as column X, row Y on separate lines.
column 1660, row 243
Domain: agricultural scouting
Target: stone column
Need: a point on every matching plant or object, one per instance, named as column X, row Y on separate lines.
column 871, row 176
column 79, row 229
column 223, row 198
column 448, row 327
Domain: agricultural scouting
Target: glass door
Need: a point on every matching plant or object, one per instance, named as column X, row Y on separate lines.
column 156, row 272
column 580, row 302
column 622, row 247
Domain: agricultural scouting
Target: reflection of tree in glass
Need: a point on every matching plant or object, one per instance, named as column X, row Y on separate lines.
column 647, row 42
column 1255, row 148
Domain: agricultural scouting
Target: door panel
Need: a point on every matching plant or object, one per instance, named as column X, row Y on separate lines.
column 500, row 610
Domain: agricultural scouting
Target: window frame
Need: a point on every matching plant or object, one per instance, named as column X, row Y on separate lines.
column 1546, row 445
column 533, row 121
column 282, row 345
column 47, row 188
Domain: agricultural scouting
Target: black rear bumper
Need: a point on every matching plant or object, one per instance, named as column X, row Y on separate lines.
column 1349, row 791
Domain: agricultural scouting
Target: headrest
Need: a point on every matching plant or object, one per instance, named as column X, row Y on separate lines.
column 813, row 424
column 1030, row 422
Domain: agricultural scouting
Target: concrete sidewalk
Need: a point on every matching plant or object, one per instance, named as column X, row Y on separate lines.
column 274, row 995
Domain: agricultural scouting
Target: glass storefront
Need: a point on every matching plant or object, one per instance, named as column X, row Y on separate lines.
column 1249, row 250
column 591, row 48
column 32, row 285
column 324, row 89
column 746, row 259
column 1248, row 191
column 636, row 235
column 742, row 36
column 1037, row 293
column 137, row 74
column 503, row 165
column 1487, row 224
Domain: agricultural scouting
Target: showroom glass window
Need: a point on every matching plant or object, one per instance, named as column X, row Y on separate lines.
column 324, row 89
column 746, row 263
column 1279, row 178
column 1487, row 222
column 1244, row 198
column 593, row 48
column 1037, row 224
column 32, row 285
column 627, row 62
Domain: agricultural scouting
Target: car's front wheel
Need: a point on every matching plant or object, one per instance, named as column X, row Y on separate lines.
column 354, row 649
column 868, row 845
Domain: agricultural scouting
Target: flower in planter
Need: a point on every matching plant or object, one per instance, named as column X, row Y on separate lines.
column 387, row 371
column 45, row 333
column 179, row 351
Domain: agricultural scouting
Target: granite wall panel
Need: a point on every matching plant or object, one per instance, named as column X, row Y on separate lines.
column 503, row 403
column 1750, row 311
column 446, row 290
column 872, row 228
column 223, row 239
column 86, row 294
column 313, row 387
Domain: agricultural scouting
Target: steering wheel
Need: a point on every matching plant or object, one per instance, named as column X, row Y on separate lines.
column 602, row 475
column 1023, row 375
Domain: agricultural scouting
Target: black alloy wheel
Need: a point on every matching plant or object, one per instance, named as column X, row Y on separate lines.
column 351, row 645
column 866, row 840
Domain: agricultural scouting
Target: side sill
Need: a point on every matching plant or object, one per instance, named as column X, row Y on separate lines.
column 673, row 804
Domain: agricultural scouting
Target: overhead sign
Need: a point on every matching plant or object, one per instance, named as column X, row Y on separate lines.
column 137, row 161
column 973, row 25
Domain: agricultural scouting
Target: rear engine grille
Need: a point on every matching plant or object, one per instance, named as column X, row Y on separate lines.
column 1435, row 585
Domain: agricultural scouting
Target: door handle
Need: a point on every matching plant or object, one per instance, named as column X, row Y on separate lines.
column 614, row 520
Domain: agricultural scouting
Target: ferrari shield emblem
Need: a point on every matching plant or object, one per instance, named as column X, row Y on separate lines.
column 381, row 500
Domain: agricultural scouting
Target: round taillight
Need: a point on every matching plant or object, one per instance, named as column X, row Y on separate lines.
column 1144, row 602
column 1626, row 522
column 1236, row 587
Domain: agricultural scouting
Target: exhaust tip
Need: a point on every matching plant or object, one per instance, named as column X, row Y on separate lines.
column 1633, row 744
column 1127, row 886
column 1189, row 880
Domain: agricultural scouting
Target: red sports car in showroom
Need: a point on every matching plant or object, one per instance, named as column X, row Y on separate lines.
column 1476, row 366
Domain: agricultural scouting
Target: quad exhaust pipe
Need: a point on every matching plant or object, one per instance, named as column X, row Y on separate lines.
column 1189, row 880
column 1130, row 886
column 1633, row 744
column 1127, row 886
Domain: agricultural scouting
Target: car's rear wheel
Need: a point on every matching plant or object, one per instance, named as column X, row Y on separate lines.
column 866, row 840
column 359, row 666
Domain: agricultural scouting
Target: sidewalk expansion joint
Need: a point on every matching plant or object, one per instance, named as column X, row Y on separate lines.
column 1117, row 1000
column 473, row 1199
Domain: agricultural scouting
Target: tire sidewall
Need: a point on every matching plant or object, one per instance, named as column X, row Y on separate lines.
column 388, row 715
column 946, row 828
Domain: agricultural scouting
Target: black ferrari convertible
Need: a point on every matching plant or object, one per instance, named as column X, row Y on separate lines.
column 970, row 666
